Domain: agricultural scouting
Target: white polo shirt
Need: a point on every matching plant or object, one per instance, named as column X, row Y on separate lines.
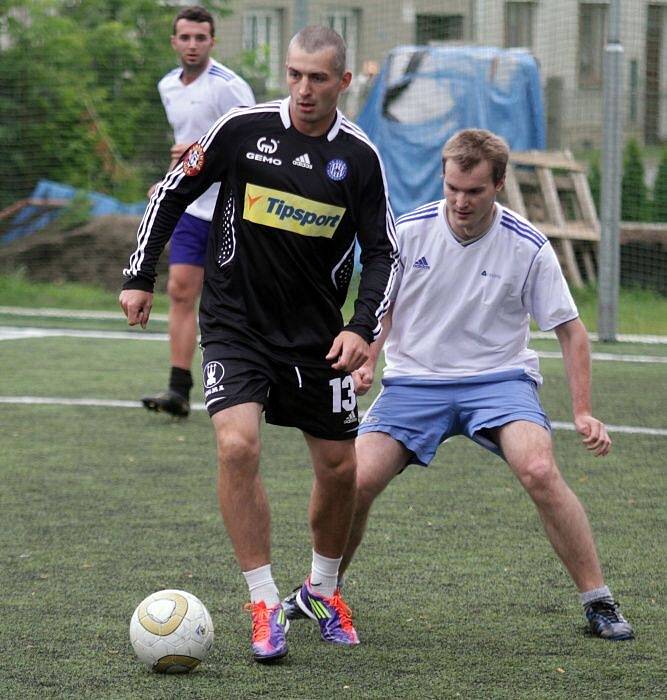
column 464, row 310
column 192, row 109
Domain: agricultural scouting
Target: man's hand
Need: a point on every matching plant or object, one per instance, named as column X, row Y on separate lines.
column 348, row 351
column 595, row 434
column 137, row 306
column 363, row 378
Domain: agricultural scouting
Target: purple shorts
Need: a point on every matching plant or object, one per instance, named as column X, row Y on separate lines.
column 189, row 240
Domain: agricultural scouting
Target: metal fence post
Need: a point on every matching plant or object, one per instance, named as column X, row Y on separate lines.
column 612, row 149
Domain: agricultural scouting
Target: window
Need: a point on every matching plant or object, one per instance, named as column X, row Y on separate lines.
column 346, row 23
column 592, row 40
column 519, row 24
column 262, row 30
column 439, row 28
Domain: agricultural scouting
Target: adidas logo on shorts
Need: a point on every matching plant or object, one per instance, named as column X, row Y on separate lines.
column 350, row 419
column 303, row 161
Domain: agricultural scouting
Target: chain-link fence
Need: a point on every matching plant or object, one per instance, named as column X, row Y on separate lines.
column 79, row 105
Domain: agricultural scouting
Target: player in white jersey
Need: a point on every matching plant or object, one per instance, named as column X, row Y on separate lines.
column 472, row 274
column 194, row 96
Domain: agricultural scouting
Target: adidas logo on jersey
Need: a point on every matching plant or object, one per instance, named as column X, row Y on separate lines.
column 303, row 161
column 350, row 419
column 422, row 264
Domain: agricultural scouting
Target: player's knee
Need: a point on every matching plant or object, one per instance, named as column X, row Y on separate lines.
column 237, row 453
column 367, row 492
column 338, row 472
column 181, row 292
column 538, row 476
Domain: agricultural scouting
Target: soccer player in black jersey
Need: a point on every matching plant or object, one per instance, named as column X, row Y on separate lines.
column 299, row 185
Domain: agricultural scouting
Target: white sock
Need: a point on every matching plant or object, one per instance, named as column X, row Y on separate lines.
column 602, row 593
column 324, row 574
column 261, row 585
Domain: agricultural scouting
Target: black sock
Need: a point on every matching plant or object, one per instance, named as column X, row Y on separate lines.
column 180, row 382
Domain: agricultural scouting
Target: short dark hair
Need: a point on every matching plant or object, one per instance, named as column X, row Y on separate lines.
column 470, row 147
column 317, row 37
column 195, row 13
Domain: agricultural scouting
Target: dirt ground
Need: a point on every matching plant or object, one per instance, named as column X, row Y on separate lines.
column 93, row 254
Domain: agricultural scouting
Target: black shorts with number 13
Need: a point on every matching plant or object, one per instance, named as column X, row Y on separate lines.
column 316, row 399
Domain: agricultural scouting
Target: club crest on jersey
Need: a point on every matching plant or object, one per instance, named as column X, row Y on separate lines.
column 193, row 161
column 337, row 169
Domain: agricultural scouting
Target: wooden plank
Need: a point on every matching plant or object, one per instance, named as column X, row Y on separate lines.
column 513, row 191
column 573, row 230
column 22, row 203
column 555, row 210
column 644, row 232
column 13, row 208
column 569, row 263
column 546, row 159
column 589, row 266
column 585, row 200
column 528, row 177
column 550, row 194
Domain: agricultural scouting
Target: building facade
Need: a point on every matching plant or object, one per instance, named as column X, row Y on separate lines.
column 567, row 37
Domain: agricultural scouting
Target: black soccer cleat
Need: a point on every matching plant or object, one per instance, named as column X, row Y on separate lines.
column 291, row 607
column 605, row 621
column 167, row 402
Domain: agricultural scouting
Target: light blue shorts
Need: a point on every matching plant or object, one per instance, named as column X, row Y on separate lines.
column 422, row 414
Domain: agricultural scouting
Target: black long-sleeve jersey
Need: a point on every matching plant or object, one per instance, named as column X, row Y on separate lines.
column 281, row 248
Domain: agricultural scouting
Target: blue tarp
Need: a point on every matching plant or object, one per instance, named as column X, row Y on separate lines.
column 31, row 219
column 424, row 94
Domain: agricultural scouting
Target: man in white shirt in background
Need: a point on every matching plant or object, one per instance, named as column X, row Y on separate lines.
column 471, row 274
column 194, row 96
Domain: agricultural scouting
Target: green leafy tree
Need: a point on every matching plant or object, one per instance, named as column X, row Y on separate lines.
column 595, row 181
column 634, row 193
column 78, row 97
column 660, row 190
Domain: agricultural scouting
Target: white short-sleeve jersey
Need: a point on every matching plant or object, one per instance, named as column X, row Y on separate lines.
column 192, row 109
column 464, row 310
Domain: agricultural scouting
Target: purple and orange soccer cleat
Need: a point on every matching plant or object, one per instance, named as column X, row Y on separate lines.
column 269, row 627
column 332, row 614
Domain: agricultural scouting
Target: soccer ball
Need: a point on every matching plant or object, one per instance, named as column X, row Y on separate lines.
column 171, row 631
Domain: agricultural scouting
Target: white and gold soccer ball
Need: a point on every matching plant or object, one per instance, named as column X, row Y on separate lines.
column 171, row 631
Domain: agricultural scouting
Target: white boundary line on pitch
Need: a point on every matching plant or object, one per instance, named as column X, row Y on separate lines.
column 71, row 313
column 19, row 333
column 114, row 403
column 116, row 315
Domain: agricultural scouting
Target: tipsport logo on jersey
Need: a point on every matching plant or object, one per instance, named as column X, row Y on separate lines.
column 289, row 212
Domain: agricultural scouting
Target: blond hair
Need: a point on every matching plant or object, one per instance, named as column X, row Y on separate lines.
column 468, row 148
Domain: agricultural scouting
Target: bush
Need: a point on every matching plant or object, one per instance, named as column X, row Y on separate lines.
column 634, row 193
column 595, row 181
column 660, row 190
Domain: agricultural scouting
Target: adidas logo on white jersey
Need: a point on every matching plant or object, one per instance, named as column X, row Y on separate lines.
column 303, row 161
column 422, row 264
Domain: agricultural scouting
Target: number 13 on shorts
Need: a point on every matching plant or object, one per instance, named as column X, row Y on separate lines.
column 343, row 396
